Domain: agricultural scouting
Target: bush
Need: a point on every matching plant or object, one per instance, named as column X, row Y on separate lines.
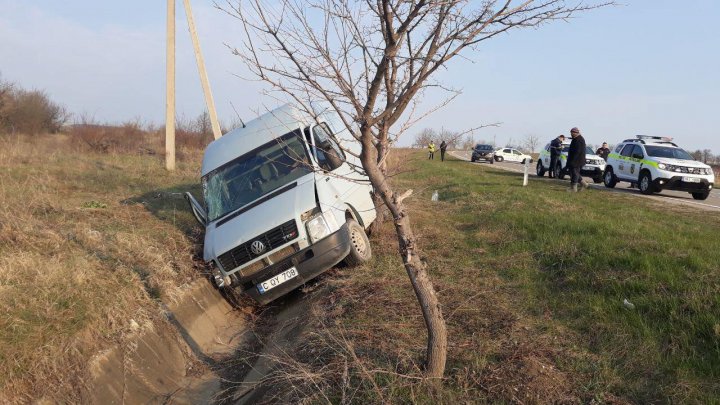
column 29, row 111
column 128, row 137
column 136, row 137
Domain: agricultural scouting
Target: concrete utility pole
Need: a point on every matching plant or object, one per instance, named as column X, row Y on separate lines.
column 170, row 89
column 203, row 74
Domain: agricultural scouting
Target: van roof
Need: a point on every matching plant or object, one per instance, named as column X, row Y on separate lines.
column 255, row 133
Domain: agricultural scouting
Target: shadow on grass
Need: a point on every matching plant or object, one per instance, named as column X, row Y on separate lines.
column 169, row 205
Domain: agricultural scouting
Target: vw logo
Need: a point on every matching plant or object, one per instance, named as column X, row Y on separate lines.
column 257, row 247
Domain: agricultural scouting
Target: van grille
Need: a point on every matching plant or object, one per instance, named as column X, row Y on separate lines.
column 275, row 237
column 276, row 257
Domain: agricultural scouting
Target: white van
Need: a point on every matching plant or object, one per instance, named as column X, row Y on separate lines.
column 283, row 202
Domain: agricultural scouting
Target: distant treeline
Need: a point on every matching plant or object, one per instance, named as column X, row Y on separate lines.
column 33, row 112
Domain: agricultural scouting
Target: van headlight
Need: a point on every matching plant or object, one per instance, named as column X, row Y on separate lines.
column 317, row 228
column 661, row 166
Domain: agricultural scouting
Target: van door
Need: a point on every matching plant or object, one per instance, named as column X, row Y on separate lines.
column 337, row 182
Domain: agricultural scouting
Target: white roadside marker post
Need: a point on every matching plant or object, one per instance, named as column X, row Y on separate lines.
column 527, row 169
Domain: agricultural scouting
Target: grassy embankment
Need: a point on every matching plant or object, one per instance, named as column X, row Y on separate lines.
column 533, row 282
column 89, row 246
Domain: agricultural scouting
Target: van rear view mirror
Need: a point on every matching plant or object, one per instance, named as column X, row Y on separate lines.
column 197, row 209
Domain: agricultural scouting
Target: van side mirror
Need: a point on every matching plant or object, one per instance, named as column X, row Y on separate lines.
column 197, row 209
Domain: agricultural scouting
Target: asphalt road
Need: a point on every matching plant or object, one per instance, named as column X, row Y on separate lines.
column 665, row 197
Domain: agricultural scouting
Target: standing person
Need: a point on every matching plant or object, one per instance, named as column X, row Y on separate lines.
column 431, row 151
column 603, row 151
column 576, row 160
column 555, row 151
column 443, row 148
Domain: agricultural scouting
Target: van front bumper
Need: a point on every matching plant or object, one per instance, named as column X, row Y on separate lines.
column 309, row 262
column 677, row 183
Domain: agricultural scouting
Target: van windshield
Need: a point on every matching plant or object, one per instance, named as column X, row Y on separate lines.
column 255, row 174
column 667, row 152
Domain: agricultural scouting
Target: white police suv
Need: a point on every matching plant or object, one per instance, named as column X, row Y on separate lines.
column 655, row 163
column 594, row 165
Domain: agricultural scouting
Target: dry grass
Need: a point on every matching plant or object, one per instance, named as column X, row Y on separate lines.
column 86, row 251
column 532, row 283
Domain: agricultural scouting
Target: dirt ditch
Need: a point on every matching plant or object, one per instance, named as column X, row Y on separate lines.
column 172, row 361
column 205, row 351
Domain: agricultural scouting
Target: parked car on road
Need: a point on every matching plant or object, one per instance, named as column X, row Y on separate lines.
column 655, row 163
column 594, row 165
column 511, row 155
column 483, row 152
column 282, row 203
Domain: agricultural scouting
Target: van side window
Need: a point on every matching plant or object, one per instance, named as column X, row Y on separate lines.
column 619, row 147
column 327, row 151
column 627, row 150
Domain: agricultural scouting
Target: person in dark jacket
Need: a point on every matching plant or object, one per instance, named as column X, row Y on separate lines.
column 443, row 148
column 603, row 151
column 555, row 151
column 576, row 160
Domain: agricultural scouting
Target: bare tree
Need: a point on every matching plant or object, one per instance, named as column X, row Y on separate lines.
column 423, row 138
column 451, row 138
column 707, row 156
column 372, row 61
column 468, row 142
column 697, row 155
column 531, row 142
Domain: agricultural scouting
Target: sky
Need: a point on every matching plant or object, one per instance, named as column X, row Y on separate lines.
column 644, row 67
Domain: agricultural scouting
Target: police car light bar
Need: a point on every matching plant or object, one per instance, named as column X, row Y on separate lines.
column 656, row 138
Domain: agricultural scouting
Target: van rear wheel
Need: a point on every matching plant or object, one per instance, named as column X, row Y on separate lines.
column 360, row 251
column 702, row 195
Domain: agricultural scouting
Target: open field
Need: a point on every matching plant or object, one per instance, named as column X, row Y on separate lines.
column 91, row 248
column 532, row 281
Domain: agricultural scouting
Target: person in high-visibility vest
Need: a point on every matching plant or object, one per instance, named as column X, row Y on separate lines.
column 431, row 151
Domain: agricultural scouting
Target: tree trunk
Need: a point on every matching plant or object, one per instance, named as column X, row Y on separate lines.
column 376, row 197
column 436, row 353
column 380, row 213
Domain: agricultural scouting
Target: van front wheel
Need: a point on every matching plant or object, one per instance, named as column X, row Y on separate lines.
column 360, row 251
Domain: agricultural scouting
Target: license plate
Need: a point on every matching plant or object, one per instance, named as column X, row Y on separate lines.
column 588, row 168
column 691, row 179
column 271, row 283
